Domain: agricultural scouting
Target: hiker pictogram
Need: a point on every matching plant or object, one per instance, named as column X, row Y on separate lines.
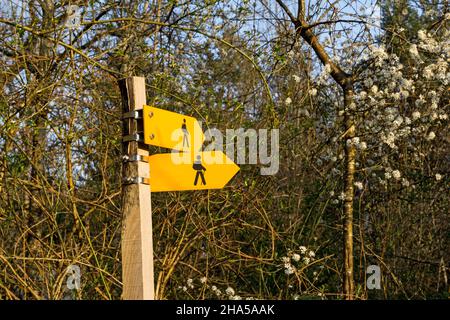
column 185, row 134
column 200, row 171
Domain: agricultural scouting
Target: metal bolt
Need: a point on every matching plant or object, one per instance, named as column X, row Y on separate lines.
column 150, row 114
column 152, row 136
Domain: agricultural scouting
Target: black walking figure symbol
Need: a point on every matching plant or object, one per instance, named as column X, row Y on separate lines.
column 185, row 134
column 199, row 168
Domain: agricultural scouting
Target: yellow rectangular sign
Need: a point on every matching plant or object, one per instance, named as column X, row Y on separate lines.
column 177, row 171
column 172, row 130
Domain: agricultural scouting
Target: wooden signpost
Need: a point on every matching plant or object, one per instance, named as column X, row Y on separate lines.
column 188, row 169
column 137, row 238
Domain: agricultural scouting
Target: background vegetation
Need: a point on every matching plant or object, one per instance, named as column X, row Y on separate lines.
column 230, row 64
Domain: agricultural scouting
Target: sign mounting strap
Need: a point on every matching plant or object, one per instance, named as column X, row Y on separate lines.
column 135, row 114
column 133, row 137
column 135, row 158
column 136, row 180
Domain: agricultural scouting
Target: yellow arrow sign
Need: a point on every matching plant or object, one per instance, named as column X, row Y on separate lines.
column 177, row 171
column 171, row 130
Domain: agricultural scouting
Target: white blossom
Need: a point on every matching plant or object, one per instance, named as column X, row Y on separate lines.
column 389, row 139
column 405, row 182
column 374, row 89
column 416, row 115
column 289, row 269
column 362, row 95
column 396, row 174
column 296, row 257
column 428, row 72
column 431, row 136
column 368, row 82
column 362, row 145
column 413, row 51
column 398, row 121
column 359, row 185
column 422, row 35
column 230, row 291
column 396, row 96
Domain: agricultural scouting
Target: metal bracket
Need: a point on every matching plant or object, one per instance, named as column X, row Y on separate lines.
column 136, row 180
column 135, row 114
column 135, row 158
column 133, row 137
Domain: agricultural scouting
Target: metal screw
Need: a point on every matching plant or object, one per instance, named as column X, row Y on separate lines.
column 152, row 136
column 150, row 114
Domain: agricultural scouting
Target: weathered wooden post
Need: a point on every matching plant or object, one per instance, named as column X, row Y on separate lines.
column 137, row 242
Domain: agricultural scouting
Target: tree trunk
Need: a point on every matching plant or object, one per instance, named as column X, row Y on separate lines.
column 345, row 81
column 350, row 155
